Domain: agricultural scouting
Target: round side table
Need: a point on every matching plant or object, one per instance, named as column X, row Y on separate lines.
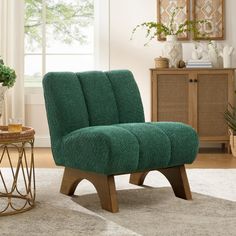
column 17, row 183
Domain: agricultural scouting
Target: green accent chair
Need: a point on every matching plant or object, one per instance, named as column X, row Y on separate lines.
column 97, row 130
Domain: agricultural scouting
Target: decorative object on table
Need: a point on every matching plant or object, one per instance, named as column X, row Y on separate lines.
column 165, row 12
column 7, row 80
column 172, row 48
column 199, row 59
column 181, row 64
column 226, row 55
column 198, row 64
column 15, row 125
column 230, row 117
column 213, row 53
column 3, row 89
column 161, row 62
column 157, row 29
column 18, row 194
column 212, row 11
column 198, row 51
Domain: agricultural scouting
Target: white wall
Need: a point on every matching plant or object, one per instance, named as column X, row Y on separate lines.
column 127, row 54
column 124, row 16
column 35, row 116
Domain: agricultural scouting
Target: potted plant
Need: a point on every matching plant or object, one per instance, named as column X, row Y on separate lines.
column 7, row 75
column 7, row 80
column 230, row 117
column 171, row 47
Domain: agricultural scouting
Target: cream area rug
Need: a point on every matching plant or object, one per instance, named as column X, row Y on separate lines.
column 152, row 210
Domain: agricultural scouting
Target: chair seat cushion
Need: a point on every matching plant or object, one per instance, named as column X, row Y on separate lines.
column 131, row 147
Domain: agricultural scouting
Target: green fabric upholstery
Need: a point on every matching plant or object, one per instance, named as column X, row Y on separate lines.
column 102, row 149
column 128, row 99
column 154, row 145
column 96, row 124
column 184, row 142
column 125, row 148
column 99, row 97
column 66, row 108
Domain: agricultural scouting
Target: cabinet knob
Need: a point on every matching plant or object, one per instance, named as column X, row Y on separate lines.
column 190, row 80
column 195, row 81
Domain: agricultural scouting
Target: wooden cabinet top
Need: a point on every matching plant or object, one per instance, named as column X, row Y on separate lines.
column 192, row 69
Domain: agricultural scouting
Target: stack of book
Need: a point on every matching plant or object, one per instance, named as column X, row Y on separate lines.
column 198, row 64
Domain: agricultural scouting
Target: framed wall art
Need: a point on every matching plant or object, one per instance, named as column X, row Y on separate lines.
column 213, row 12
column 165, row 9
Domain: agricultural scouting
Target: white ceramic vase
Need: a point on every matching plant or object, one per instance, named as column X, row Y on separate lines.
column 213, row 54
column 226, row 55
column 173, row 50
column 3, row 89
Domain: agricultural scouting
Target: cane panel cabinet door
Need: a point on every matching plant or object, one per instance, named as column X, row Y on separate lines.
column 170, row 97
column 197, row 97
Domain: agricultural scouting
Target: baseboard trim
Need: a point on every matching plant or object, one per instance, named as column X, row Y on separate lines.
column 42, row 141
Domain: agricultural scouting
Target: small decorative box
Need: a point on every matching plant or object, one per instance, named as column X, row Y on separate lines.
column 161, row 62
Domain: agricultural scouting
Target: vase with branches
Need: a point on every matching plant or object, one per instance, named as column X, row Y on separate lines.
column 156, row 29
column 172, row 48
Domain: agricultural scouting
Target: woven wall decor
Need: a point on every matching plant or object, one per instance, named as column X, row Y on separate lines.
column 164, row 10
column 213, row 11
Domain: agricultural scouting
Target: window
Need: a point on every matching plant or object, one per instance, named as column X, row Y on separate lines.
column 59, row 36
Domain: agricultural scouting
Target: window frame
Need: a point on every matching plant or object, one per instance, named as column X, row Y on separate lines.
column 101, row 43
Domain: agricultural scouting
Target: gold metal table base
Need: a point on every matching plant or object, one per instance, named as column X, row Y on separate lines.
column 27, row 204
column 17, row 183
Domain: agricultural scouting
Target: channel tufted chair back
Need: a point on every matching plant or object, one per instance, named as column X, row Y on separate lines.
column 78, row 100
column 97, row 130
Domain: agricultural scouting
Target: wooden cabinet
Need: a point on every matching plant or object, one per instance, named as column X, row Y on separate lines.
column 197, row 97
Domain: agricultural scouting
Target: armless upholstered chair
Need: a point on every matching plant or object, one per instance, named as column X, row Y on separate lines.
column 97, row 130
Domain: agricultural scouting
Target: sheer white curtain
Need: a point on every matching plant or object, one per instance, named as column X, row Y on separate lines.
column 12, row 52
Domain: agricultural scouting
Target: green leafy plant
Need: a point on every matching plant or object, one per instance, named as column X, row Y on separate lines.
column 230, row 117
column 7, row 75
column 155, row 29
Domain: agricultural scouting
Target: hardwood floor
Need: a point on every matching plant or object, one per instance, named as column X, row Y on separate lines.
column 214, row 161
column 209, row 159
column 213, row 158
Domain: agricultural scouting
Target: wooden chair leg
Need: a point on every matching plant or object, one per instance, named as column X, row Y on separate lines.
column 138, row 178
column 70, row 180
column 176, row 176
column 179, row 181
column 105, row 186
column 106, row 190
